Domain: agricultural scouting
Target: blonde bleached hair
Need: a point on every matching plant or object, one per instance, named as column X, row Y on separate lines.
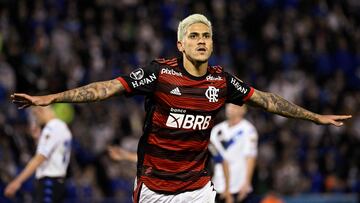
column 191, row 19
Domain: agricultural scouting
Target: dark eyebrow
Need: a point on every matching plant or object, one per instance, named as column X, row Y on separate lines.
column 193, row 33
column 197, row 33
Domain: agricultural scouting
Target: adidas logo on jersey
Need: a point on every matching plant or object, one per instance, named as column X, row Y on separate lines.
column 175, row 91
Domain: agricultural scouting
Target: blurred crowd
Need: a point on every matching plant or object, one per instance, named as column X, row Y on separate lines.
column 306, row 51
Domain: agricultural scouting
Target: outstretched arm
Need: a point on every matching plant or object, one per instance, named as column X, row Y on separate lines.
column 276, row 104
column 92, row 92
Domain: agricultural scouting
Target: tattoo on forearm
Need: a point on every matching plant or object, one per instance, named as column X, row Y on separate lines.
column 259, row 99
column 91, row 92
column 288, row 109
column 276, row 104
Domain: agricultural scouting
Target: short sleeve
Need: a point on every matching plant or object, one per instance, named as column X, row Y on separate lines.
column 141, row 81
column 47, row 143
column 238, row 92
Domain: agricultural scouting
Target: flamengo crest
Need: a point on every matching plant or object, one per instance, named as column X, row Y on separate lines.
column 212, row 94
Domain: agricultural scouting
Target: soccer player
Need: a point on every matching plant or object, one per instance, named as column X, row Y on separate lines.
column 235, row 140
column 50, row 161
column 183, row 96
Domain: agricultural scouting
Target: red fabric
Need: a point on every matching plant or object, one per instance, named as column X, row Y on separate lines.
column 124, row 83
column 136, row 193
column 250, row 94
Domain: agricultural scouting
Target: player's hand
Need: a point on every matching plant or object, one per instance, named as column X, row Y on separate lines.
column 117, row 153
column 24, row 100
column 243, row 193
column 227, row 197
column 332, row 119
column 12, row 188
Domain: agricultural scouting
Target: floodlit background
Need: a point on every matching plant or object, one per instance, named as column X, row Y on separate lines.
column 306, row 51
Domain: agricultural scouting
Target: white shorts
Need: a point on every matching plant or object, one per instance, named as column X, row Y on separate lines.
column 205, row 194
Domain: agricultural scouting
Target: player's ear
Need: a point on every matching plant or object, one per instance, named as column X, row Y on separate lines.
column 180, row 46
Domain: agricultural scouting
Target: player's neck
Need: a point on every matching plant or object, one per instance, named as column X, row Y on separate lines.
column 195, row 68
column 234, row 121
column 48, row 118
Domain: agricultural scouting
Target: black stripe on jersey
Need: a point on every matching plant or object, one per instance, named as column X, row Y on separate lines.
column 181, row 134
column 150, row 109
column 183, row 176
column 183, row 155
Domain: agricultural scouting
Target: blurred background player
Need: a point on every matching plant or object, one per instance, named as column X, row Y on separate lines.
column 50, row 161
column 235, row 140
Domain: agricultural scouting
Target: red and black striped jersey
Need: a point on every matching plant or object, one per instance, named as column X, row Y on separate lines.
column 172, row 153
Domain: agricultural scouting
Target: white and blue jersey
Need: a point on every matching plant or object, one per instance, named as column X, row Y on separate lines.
column 234, row 144
column 55, row 145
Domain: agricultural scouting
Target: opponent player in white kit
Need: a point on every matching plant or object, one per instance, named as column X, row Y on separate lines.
column 235, row 141
column 50, row 161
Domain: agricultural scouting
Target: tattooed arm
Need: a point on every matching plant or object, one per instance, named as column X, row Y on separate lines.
column 276, row 104
column 92, row 92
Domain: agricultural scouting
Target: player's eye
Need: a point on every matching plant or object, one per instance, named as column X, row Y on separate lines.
column 192, row 36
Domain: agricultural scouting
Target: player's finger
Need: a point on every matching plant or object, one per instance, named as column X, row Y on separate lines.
column 8, row 193
column 21, row 97
column 18, row 95
column 343, row 117
column 20, row 101
column 111, row 152
column 241, row 197
column 24, row 106
column 337, row 123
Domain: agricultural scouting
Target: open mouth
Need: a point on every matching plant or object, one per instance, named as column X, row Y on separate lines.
column 201, row 49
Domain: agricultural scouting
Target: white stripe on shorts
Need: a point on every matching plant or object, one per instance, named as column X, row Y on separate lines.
column 205, row 194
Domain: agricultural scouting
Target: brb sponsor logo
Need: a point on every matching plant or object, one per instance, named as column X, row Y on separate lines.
column 139, row 80
column 188, row 121
column 170, row 72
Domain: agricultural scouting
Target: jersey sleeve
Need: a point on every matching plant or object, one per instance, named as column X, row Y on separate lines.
column 141, row 81
column 47, row 143
column 238, row 92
